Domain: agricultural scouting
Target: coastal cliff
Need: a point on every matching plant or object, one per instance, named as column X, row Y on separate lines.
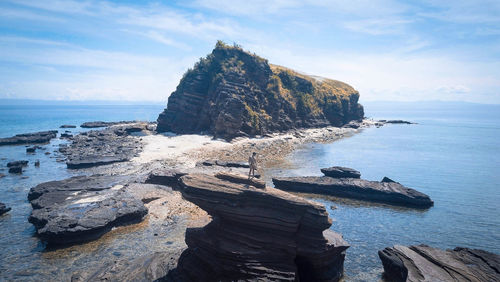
column 233, row 93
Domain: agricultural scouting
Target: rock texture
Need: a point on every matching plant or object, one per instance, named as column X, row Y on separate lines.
column 384, row 192
column 96, row 124
column 101, row 147
column 233, row 93
column 82, row 208
column 257, row 234
column 4, row 208
column 341, row 172
column 67, row 126
column 424, row 263
column 29, row 138
column 223, row 164
column 17, row 163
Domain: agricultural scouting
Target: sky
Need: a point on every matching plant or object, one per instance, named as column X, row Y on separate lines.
column 388, row 50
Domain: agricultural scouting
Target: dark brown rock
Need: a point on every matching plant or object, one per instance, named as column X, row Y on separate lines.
column 82, row 208
column 3, row 209
column 257, row 234
column 341, row 172
column 424, row 263
column 29, row 138
column 373, row 191
column 233, row 93
column 242, row 179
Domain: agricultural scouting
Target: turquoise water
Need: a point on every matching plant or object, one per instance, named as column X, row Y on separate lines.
column 452, row 155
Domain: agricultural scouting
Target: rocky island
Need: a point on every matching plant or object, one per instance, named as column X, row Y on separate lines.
column 233, row 93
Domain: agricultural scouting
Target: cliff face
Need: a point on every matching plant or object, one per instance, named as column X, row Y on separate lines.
column 234, row 93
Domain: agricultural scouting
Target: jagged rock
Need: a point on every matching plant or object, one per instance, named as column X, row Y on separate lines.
column 30, row 149
column 29, row 138
column 257, row 234
column 4, row 208
column 233, row 93
column 242, row 179
column 67, row 126
column 424, row 263
column 167, row 177
column 341, row 172
column 37, row 163
column 102, row 147
column 96, row 124
column 16, row 169
column 352, row 124
column 17, row 163
column 66, row 135
column 82, row 208
column 373, row 191
column 388, row 180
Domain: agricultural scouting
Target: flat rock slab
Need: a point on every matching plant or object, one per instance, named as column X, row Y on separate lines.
column 82, row 208
column 424, row 263
column 102, row 147
column 4, row 208
column 257, row 234
column 67, row 126
column 29, row 138
column 223, row 164
column 96, row 124
column 341, row 172
column 242, row 179
column 383, row 192
column 167, row 177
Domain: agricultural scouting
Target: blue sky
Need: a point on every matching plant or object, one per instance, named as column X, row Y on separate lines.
column 138, row 50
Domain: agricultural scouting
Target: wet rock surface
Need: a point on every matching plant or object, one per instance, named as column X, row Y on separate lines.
column 17, row 163
column 82, row 208
column 101, row 147
column 96, row 124
column 341, row 172
column 424, row 263
column 383, row 192
column 29, row 138
column 257, row 233
column 4, row 208
column 67, row 126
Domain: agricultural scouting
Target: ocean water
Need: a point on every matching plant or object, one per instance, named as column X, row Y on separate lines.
column 452, row 155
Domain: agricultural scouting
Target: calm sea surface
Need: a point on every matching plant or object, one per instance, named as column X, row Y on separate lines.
column 452, row 155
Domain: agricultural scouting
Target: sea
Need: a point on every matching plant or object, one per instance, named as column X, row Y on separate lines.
column 451, row 154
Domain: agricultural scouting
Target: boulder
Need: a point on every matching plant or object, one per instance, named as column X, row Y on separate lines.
column 372, row 191
column 30, row 150
column 4, row 208
column 82, row 208
column 17, row 163
column 233, row 93
column 67, row 126
column 341, row 172
column 424, row 263
column 29, row 138
column 66, row 135
column 257, row 234
column 16, row 169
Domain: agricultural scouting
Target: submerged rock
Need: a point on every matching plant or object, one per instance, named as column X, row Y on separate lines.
column 383, row 192
column 29, row 138
column 67, row 126
column 233, row 93
column 424, row 263
column 341, row 172
column 257, row 234
column 82, row 208
column 17, row 163
column 4, row 208
column 16, row 169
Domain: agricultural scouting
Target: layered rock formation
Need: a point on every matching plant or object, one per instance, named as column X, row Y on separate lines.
column 257, row 234
column 29, row 138
column 345, row 183
column 234, row 93
column 82, row 208
column 424, row 263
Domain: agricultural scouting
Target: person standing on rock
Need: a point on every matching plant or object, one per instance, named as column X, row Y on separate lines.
column 252, row 161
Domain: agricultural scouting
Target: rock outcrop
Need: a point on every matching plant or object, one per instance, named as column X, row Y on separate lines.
column 102, row 147
column 383, row 192
column 67, row 126
column 4, row 208
column 29, row 138
column 82, row 208
column 17, row 163
column 96, row 124
column 233, row 93
column 257, row 234
column 341, row 172
column 424, row 263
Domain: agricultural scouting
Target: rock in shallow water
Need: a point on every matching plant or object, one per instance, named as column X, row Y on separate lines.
column 264, row 234
column 341, row 172
column 424, row 263
column 383, row 192
column 82, row 208
column 29, row 138
column 4, row 208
